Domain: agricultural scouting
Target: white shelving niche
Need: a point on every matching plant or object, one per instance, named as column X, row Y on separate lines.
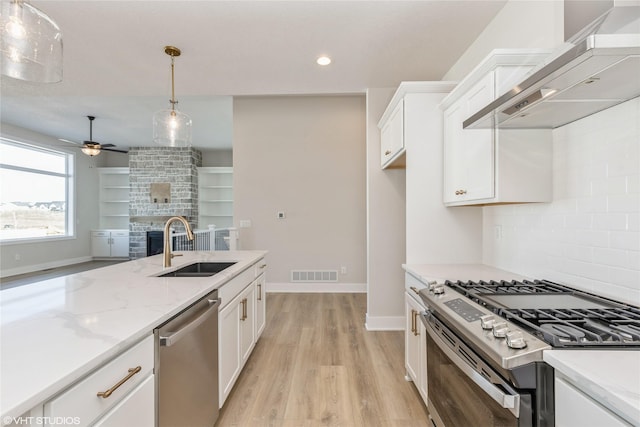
column 215, row 197
column 114, row 198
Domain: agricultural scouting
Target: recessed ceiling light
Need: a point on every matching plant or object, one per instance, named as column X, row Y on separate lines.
column 324, row 60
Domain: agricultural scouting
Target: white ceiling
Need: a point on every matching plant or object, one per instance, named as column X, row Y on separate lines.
column 115, row 67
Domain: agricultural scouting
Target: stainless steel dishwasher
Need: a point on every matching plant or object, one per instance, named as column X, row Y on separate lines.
column 187, row 366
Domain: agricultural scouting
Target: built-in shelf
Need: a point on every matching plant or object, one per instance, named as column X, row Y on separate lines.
column 215, row 197
column 114, row 198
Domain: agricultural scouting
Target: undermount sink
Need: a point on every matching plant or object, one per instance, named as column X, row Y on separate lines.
column 199, row 269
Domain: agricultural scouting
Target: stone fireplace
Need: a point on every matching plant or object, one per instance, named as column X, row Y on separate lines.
column 160, row 166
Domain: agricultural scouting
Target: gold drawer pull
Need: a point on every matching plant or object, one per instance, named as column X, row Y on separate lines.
column 263, row 265
column 414, row 289
column 259, row 292
column 386, row 153
column 132, row 372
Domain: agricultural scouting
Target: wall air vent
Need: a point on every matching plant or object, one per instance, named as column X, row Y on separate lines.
column 314, row 276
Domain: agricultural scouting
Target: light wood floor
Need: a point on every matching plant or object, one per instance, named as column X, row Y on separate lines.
column 316, row 365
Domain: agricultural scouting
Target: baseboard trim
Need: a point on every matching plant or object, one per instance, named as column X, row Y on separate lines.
column 40, row 267
column 316, row 287
column 384, row 323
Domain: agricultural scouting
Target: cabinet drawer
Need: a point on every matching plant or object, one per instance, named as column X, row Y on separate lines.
column 230, row 290
column 260, row 267
column 119, row 234
column 100, row 234
column 82, row 401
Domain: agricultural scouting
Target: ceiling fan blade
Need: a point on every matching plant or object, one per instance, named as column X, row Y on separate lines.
column 107, row 145
column 69, row 142
column 114, row 150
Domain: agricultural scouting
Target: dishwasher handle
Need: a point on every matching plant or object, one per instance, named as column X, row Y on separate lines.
column 173, row 337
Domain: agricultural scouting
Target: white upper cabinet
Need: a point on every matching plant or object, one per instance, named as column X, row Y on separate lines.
column 392, row 146
column 488, row 166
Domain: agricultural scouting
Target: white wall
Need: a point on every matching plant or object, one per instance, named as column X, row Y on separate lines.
column 589, row 236
column 42, row 255
column 385, row 225
column 304, row 156
column 520, row 24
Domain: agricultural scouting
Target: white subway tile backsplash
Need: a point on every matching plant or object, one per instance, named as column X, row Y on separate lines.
column 589, row 235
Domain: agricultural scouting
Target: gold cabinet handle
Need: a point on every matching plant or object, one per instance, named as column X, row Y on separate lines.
column 415, row 323
column 244, row 309
column 132, row 372
column 414, row 289
column 461, row 192
column 386, row 153
column 259, row 291
column 263, row 266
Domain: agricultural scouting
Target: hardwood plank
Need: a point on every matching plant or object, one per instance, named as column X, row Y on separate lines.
column 316, row 365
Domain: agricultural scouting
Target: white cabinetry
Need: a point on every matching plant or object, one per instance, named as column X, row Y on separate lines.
column 575, row 409
column 261, row 307
column 415, row 341
column 110, row 243
column 239, row 324
column 114, row 198
column 215, row 197
column 392, row 148
column 123, row 389
column 485, row 166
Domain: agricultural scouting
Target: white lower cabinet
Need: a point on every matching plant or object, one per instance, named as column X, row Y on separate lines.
column 261, row 305
column 415, row 346
column 240, row 324
column 110, row 244
column 122, row 389
column 576, row 409
column 136, row 409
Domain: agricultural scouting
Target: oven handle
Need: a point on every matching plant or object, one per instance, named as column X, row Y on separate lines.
column 507, row 401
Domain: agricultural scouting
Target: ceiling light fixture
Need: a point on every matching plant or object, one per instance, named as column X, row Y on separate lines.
column 171, row 127
column 323, row 60
column 31, row 45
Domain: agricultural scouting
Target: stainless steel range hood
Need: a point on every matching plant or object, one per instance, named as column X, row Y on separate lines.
column 597, row 69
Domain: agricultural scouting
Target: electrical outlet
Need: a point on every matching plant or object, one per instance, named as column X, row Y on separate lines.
column 245, row 223
column 343, row 270
column 17, row 257
column 497, row 231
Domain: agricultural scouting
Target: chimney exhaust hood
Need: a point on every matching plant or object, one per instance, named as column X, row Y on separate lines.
column 597, row 70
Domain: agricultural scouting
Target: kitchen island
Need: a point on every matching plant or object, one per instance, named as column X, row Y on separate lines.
column 54, row 332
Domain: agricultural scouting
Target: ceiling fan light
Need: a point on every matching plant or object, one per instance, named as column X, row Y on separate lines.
column 31, row 43
column 91, row 151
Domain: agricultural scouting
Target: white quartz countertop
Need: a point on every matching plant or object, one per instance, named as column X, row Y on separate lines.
column 610, row 377
column 464, row 272
column 55, row 331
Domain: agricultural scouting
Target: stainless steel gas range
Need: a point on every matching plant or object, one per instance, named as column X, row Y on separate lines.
column 486, row 339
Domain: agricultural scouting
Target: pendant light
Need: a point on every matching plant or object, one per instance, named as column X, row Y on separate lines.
column 172, row 128
column 31, row 45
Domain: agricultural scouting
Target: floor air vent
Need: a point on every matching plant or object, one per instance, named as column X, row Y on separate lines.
column 314, row 275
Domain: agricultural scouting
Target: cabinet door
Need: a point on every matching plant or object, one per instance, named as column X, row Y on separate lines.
column 469, row 164
column 479, row 158
column 261, row 306
column 136, row 409
column 392, row 135
column 228, row 347
column 415, row 346
column 455, row 175
column 119, row 244
column 100, row 246
column 247, row 322
column 575, row 409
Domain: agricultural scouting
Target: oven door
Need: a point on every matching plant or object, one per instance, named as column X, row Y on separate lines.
column 462, row 389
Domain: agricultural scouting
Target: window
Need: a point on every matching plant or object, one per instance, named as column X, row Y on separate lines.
column 36, row 192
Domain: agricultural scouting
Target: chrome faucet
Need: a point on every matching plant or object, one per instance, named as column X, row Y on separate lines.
column 166, row 262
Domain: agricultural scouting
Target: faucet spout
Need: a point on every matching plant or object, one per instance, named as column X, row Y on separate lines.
column 167, row 255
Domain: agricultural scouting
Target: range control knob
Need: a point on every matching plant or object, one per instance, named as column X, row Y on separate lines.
column 438, row 289
column 487, row 321
column 500, row 329
column 516, row 340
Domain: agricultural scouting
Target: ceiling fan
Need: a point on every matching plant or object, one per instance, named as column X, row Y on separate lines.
column 93, row 148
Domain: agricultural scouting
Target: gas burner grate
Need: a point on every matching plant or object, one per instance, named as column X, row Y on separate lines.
column 594, row 322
